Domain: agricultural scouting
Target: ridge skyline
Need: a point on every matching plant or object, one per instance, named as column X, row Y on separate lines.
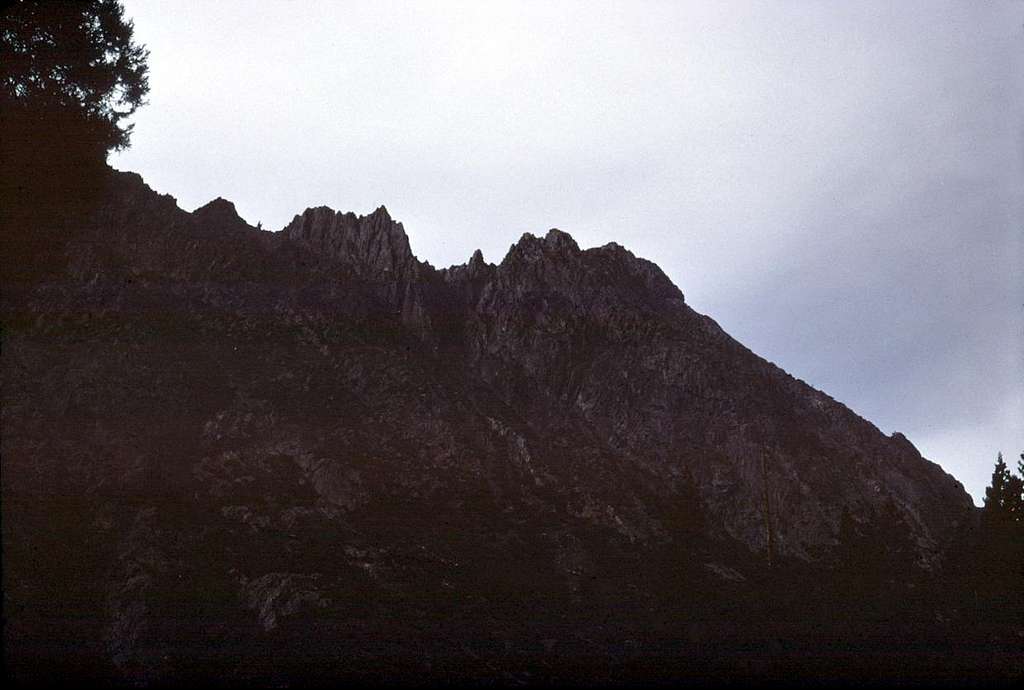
column 552, row 237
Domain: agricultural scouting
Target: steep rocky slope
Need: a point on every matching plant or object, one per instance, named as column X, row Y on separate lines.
column 218, row 440
column 601, row 346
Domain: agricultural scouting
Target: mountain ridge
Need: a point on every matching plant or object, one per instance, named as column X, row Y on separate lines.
column 600, row 282
column 314, row 428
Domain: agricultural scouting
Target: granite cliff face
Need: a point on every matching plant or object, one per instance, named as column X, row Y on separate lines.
column 601, row 346
column 217, row 439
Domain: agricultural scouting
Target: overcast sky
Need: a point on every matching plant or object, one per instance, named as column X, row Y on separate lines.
column 840, row 185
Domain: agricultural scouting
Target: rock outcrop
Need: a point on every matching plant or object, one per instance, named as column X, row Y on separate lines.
column 225, row 436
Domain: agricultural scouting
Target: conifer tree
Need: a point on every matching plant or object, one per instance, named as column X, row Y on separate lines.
column 70, row 75
column 996, row 504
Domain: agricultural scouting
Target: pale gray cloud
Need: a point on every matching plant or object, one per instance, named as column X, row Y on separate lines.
column 840, row 185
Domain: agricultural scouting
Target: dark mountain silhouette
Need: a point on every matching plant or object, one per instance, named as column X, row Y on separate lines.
column 247, row 456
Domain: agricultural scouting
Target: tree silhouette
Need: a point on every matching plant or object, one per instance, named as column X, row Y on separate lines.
column 71, row 64
column 1018, row 486
column 70, row 73
column 1002, row 537
column 1004, row 497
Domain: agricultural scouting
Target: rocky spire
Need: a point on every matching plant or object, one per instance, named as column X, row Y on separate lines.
column 373, row 245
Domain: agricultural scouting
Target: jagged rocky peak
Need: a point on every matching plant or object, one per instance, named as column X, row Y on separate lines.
column 374, row 243
column 476, row 270
column 219, row 212
column 532, row 248
column 556, row 239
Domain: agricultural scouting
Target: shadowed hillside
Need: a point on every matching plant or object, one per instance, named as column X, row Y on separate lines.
column 245, row 456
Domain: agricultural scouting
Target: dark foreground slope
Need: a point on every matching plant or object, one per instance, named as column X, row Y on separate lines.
column 244, row 456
